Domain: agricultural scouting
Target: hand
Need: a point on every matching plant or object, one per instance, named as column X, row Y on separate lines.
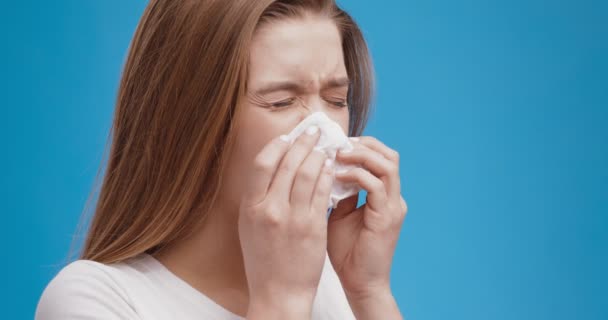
column 283, row 227
column 362, row 241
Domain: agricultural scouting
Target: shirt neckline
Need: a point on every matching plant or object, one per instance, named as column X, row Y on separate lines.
column 193, row 295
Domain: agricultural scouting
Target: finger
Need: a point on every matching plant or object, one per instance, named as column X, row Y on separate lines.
column 320, row 196
column 375, row 163
column 264, row 167
column 378, row 146
column 282, row 183
column 376, row 191
column 306, row 179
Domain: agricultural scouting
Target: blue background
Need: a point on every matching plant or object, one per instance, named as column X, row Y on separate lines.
column 498, row 109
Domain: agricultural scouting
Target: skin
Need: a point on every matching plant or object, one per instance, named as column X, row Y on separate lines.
column 261, row 250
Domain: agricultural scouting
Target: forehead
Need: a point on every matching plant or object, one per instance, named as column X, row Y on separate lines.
column 306, row 49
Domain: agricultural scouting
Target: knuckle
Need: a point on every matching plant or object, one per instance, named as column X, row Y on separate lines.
column 287, row 166
column 357, row 172
column 262, row 163
column 393, row 169
column 378, row 185
column 393, row 209
column 400, row 217
column 396, row 217
column 403, row 205
column 403, row 209
column 395, row 155
column 271, row 220
column 372, row 139
column 272, row 208
column 272, row 215
column 307, row 174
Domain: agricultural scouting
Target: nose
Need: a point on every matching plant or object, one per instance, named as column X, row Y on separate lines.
column 309, row 107
column 314, row 104
column 318, row 104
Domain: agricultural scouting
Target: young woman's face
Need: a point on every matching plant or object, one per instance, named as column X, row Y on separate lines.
column 296, row 68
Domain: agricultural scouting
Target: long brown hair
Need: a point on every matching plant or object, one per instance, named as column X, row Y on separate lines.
column 184, row 77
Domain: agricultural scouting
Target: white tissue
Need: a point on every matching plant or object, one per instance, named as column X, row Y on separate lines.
column 331, row 141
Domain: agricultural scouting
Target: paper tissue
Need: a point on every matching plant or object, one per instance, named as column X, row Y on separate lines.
column 332, row 140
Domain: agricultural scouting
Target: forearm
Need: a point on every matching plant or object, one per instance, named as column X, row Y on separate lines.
column 381, row 305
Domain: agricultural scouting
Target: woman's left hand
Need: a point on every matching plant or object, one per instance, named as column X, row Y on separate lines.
column 362, row 241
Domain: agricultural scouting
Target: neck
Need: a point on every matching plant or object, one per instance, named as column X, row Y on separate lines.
column 211, row 261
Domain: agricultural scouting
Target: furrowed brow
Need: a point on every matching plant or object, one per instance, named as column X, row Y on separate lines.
column 279, row 86
column 294, row 86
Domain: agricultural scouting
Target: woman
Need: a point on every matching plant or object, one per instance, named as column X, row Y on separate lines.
column 204, row 211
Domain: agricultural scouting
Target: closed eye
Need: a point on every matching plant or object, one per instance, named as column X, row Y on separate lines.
column 283, row 103
column 290, row 101
column 339, row 103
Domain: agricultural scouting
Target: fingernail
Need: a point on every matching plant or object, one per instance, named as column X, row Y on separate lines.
column 355, row 139
column 312, row 130
column 321, row 152
column 339, row 175
column 341, row 171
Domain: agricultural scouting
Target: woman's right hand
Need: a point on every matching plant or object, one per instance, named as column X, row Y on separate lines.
column 283, row 227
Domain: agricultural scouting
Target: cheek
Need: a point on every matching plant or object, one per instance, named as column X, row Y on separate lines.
column 258, row 127
column 344, row 123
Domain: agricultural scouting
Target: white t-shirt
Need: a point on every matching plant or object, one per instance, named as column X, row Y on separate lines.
column 143, row 288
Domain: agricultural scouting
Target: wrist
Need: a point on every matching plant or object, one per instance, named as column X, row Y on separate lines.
column 378, row 303
column 370, row 295
column 280, row 306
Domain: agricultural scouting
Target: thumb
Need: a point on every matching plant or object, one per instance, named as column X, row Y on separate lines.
column 345, row 206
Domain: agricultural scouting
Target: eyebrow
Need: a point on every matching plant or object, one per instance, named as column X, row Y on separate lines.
column 294, row 86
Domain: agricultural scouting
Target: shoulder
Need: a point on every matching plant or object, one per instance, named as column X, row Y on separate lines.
column 85, row 289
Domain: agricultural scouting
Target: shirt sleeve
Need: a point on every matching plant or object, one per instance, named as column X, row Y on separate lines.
column 83, row 290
